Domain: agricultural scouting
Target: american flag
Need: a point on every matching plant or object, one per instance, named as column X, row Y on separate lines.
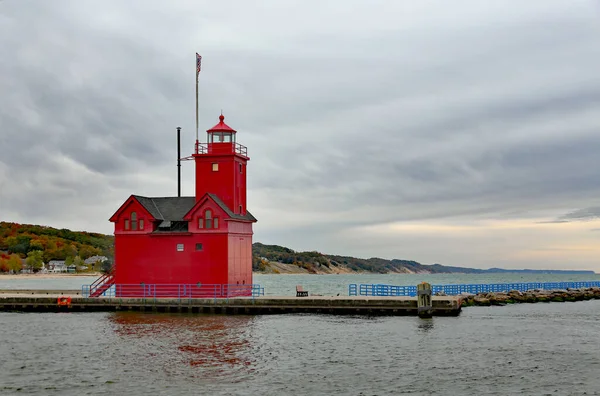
column 198, row 61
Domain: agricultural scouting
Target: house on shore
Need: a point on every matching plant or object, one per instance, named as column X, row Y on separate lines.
column 57, row 266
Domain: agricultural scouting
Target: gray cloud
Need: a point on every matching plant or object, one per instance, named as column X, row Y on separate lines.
column 479, row 112
column 583, row 214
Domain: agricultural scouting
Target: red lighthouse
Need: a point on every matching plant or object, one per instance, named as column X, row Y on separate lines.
column 188, row 246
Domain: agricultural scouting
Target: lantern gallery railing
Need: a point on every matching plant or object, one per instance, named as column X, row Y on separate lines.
column 379, row 290
column 179, row 291
column 203, row 148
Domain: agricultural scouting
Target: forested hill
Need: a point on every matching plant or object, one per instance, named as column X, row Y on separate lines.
column 54, row 243
column 315, row 262
column 63, row 244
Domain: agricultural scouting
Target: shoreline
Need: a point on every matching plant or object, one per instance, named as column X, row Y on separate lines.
column 47, row 276
column 98, row 274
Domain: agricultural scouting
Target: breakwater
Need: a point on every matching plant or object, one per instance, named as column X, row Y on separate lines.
column 382, row 290
column 530, row 296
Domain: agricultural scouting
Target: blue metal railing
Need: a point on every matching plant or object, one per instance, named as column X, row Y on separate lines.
column 380, row 290
column 179, row 291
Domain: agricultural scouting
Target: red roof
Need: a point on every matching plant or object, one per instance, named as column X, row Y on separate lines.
column 221, row 126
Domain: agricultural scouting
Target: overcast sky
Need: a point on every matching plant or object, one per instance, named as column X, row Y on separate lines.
column 464, row 133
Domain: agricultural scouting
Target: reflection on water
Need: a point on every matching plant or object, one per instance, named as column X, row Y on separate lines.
column 525, row 349
column 218, row 342
column 425, row 325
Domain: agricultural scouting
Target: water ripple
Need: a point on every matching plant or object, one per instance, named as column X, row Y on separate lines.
column 521, row 349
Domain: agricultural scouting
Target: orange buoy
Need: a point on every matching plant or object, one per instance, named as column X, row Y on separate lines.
column 62, row 300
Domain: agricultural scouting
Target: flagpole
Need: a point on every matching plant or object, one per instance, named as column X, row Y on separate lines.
column 198, row 63
column 197, row 74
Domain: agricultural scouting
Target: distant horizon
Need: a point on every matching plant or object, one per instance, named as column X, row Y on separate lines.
column 364, row 258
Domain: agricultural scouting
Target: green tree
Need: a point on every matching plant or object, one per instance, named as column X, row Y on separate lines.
column 10, row 242
column 69, row 261
column 35, row 260
column 78, row 262
column 20, row 244
column 106, row 266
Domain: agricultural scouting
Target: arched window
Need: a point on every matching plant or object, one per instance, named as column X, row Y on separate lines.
column 208, row 218
column 200, row 222
column 133, row 221
column 126, row 224
column 216, row 222
column 141, row 224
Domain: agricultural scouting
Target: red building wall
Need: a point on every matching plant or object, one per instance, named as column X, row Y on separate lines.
column 155, row 259
column 240, row 259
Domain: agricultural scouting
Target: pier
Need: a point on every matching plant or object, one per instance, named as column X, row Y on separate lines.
column 47, row 301
column 465, row 289
column 364, row 299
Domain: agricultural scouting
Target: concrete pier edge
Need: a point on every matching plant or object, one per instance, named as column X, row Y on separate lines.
column 47, row 301
column 28, row 302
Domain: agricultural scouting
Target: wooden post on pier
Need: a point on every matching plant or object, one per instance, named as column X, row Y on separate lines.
column 424, row 308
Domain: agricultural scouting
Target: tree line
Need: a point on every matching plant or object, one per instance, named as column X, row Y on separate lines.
column 312, row 260
column 40, row 244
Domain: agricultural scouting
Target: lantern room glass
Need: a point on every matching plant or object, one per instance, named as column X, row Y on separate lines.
column 221, row 137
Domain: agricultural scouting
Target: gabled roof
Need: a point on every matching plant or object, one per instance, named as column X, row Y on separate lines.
column 167, row 208
column 248, row 216
column 128, row 201
column 176, row 208
column 212, row 197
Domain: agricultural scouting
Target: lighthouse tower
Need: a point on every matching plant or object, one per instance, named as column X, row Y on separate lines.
column 201, row 244
column 221, row 167
column 221, row 198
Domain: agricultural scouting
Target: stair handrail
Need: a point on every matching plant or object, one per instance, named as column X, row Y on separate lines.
column 103, row 287
column 101, row 280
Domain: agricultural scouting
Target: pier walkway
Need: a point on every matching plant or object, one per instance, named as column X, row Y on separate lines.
column 383, row 290
column 47, row 301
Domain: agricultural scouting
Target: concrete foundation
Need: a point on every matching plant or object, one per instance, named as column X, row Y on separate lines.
column 35, row 301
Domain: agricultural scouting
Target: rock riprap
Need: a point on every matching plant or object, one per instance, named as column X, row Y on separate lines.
column 531, row 296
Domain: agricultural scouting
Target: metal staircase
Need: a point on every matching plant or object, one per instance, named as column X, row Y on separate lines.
column 102, row 284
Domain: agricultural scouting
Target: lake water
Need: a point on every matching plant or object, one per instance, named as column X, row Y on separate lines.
column 529, row 349
column 285, row 285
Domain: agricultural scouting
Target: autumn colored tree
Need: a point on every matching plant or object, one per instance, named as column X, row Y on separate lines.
column 14, row 263
column 4, row 265
column 36, row 244
column 87, row 251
